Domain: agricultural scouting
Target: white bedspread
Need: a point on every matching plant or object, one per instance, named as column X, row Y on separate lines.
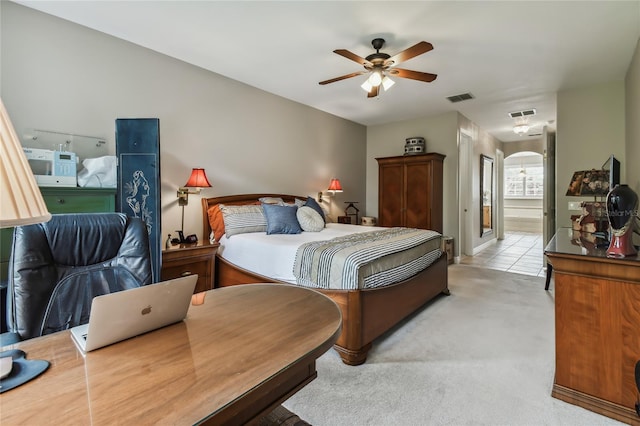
column 273, row 256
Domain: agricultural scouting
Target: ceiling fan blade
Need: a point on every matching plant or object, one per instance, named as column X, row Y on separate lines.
column 412, row 52
column 352, row 56
column 414, row 75
column 343, row 77
column 373, row 92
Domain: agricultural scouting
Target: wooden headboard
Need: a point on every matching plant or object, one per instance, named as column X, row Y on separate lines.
column 236, row 200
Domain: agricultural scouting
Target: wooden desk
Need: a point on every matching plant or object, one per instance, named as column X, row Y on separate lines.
column 236, row 357
column 597, row 321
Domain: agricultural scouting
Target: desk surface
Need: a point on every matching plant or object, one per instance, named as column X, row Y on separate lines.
column 568, row 242
column 237, row 355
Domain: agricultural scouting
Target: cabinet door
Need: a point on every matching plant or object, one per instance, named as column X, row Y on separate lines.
column 418, row 195
column 390, row 195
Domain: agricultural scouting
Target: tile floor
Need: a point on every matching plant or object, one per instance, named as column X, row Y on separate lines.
column 519, row 252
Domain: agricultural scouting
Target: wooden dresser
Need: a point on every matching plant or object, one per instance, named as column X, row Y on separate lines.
column 597, row 321
column 410, row 191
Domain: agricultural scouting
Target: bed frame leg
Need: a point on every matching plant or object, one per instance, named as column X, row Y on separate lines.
column 351, row 357
column 446, row 292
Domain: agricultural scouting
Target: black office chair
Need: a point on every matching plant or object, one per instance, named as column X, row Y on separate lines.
column 56, row 268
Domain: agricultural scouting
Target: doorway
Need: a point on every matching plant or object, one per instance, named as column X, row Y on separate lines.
column 523, row 192
column 520, row 201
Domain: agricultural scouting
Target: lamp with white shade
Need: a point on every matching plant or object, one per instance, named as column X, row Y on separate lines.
column 21, row 200
column 21, row 203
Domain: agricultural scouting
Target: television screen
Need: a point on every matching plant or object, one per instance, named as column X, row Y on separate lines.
column 613, row 165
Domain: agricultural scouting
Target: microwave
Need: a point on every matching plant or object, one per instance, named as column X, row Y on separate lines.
column 53, row 168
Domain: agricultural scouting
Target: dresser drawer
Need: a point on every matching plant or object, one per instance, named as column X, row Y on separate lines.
column 79, row 200
column 201, row 268
column 198, row 259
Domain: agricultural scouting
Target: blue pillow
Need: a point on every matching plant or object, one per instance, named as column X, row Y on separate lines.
column 281, row 219
column 311, row 202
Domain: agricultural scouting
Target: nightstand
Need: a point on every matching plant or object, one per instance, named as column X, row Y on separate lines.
column 344, row 219
column 187, row 259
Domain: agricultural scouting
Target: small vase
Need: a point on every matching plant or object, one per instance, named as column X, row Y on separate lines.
column 622, row 208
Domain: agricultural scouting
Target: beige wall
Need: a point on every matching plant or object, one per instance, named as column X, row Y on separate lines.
column 590, row 128
column 440, row 133
column 632, row 109
column 483, row 143
column 64, row 77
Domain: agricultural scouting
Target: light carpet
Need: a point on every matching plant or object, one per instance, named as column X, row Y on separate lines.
column 482, row 356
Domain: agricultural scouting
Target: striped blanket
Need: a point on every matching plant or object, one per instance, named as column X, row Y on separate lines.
column 366, row 260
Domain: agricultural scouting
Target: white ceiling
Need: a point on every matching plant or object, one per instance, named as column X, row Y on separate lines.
column 509, row 55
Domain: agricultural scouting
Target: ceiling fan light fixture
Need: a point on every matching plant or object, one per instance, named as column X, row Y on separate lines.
column 521, row 129
column 366, row 86
column 375, row 79
column 387, row 83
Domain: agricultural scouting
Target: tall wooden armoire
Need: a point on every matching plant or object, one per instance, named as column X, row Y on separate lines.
column 410, row 191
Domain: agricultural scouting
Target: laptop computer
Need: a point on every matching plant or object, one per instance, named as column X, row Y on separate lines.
column 124, row 314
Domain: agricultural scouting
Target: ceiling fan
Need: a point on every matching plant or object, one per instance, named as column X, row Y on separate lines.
column 381, row 65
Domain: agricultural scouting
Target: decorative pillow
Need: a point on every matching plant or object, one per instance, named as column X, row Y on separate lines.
column 311, row 202
column 309, row 219
column 298, row 202
column 216, row 221
column 272, row 200
column 281, row 219
column 243, row 219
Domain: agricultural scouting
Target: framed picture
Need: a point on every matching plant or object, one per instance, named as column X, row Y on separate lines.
column 575, row 186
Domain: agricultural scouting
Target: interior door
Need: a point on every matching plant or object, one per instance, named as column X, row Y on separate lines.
column 464, row 195
column 499, row 207
column 549, row 193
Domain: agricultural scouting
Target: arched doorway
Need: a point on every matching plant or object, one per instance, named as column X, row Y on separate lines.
column 523, row 192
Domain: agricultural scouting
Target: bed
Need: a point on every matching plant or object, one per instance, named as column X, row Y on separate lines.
column 367, row 312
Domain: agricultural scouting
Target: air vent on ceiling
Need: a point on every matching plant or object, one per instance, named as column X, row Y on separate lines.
column 525, row 113
column 461, row 97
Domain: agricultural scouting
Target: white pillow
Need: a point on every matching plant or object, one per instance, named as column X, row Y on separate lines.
column 309, row 219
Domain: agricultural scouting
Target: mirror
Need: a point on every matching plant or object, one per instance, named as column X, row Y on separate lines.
column 486, row 195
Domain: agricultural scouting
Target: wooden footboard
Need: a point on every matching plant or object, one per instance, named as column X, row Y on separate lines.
column 366, row 314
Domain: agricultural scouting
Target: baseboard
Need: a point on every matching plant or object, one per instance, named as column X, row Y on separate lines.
column 481, row 247
column 597, row 405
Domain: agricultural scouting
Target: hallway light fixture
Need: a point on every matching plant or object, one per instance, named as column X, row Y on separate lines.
column 520, row 129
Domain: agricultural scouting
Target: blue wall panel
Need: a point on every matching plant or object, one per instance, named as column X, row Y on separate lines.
column 138, row 152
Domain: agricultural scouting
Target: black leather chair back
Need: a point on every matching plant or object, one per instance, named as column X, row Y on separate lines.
column 56, row 268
